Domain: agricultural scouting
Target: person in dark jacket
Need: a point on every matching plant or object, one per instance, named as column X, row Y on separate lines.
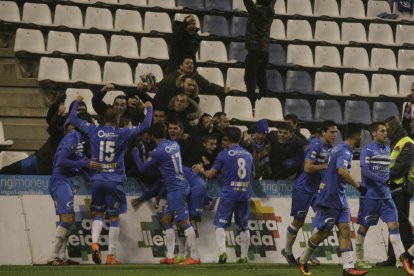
column 185, row 42
column 257, row 44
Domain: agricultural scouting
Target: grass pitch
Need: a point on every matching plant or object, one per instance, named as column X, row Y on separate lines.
column 195, row 270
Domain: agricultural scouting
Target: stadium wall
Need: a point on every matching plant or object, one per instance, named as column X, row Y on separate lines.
column 28, row 223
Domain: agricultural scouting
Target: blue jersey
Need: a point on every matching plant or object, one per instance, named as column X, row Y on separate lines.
column 332, row 189
column 376, row 158
column 238, row 172
column 318, row 153
column 167, row 157
column 108, row 145
column 69, row 156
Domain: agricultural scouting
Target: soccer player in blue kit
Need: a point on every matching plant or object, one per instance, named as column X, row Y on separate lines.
column 307, row 184
column 332, row 206
column 108, row 146
column 238, row 167
column 377, row 203
column 167, row 157
column 68, row 161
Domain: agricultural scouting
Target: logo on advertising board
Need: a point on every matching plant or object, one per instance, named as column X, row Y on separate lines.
column 153, row 236
column 330, row 245
column 264, row 230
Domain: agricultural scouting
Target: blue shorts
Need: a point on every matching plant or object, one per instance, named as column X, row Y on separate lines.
column 197, row 198
column 370, row 210
column 327, row 218
column 108, row 196
column 177, row 205
column 225, row 210
column 61, row 190
column 301, row 202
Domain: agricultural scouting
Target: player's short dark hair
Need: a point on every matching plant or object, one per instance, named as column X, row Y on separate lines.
column 122, row 97
column 186, row 57
column 328, row 124
column 158, row 130
column 233, row 134
column 111, row 116
column 286, row 126
column 353, row 129
column 175, row 121
column 209, row 137
column 82, row 103
column 292, row 117
column 375, row 125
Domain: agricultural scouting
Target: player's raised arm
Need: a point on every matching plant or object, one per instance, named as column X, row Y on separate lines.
column 211, row 173
column 146, row 123
column 143, row 166
column 82, row 125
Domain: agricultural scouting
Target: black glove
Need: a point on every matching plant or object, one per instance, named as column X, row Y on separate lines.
column 362, row 190
column 388, row 182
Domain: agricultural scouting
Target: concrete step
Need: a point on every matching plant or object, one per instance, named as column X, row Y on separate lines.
column 21, row 97
column 25, row 131
column 28, row 146
column 23, row 112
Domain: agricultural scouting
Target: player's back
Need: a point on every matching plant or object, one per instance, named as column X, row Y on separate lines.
column 74, row 143
column 237, row 164
column 170, row 165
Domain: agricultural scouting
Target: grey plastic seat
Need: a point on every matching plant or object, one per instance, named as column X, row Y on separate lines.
column 237, row 51
column 216, row 25
column 222, row 5
column 238, row 26
column 299, row 81
column 192, row 4
column 277, row 54
column 299, row 107
column 328, row 110
column 383, row 110
column 358, row 112
column 274, row 81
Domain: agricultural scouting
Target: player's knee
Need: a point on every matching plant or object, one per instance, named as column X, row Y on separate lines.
column 393, row 225
column 183, row 224
column 68, row 218
column 298, row 223
column 166, row 220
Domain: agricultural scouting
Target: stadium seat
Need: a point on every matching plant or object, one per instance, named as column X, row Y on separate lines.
column 355, row 84
column 383, row 110
column 327, row 56
column 154, row 47
column 182, row 16
column 69, row 16
column 145, row 68
column 277, row 30
column 235, row 79
column 105, row 1
column 9, row 11
column 383, row 84
column 380, row 33
column 405, row 85
column 353, row 32
column 276, row 54
column 357, row 112
column 299, row 81
column 238, row 5
column 167, row 4
column 118, row 73
column 124, row 46
column 365, row 141
column 237, row 51
column 98, row 18
column 216, row 25
column 242, row 128
column 404, row 34
column 128, row 20
column 157, row 21
column 405, row 59
column 238, row 108
column 191, row 4
column 274, row 81
column 73, row 93
column 238, row 26
column 210, row 104
column 212, row 74
column 376, row 7
column 222, row 5
column 10, row 157
column 299, row 54
column 3, row 141
column 55, row 69
column 87, row 71
column 298, row 29
column 37, row 13
column 302, row 7
column 327, row 31
column 29, row 40
column 402, row 15
column 94, row 44
column 352, row 8
column 61, row 42
column 355, row 57
column 134, row 2
column 268, row 108
column 338, row 139
column 383, row 58
column 111, row 95
column 326, row 7
column 328, row 82
column 213, row 51
column 299, row 107
column 280, row 7
column 328, row 110
column 305, row 132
